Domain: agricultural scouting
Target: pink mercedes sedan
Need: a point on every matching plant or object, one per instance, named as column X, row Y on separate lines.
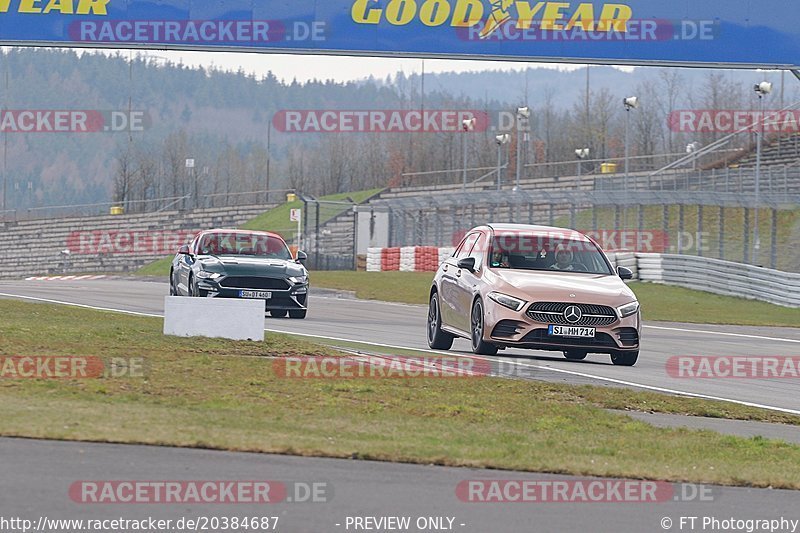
column 535, row 287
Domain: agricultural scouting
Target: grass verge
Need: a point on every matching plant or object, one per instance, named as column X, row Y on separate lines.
column 158, row 268
column 659, row 302
column 226, row 395
column 619, row 398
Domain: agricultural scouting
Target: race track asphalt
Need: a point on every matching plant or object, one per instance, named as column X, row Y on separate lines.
column 36, row 484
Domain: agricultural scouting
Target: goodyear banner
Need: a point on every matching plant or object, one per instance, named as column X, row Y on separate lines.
column 744, row 33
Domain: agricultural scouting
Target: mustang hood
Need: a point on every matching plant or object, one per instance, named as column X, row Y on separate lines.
column 547, row 286
column 252, row 266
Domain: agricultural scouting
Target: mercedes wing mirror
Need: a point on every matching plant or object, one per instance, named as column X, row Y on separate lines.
column 625, row 272
column 468, row 263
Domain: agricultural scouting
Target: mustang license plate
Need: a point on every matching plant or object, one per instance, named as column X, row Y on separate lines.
column 257, row 295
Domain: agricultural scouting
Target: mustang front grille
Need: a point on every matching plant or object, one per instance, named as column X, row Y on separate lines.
column 254, row 282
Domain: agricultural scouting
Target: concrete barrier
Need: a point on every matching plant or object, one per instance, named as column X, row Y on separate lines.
column 226, row 318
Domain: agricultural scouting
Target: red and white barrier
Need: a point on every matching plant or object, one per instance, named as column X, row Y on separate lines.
column 407, row 258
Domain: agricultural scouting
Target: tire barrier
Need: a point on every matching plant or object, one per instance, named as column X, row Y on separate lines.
column 407, row 258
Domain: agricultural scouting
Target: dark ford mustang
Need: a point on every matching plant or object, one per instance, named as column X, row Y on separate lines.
column 242, row 264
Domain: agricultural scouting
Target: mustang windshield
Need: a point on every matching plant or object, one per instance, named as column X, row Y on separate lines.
column 547, row 253
column 253, row 245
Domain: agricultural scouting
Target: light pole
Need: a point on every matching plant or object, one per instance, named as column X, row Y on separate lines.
column 582, row 154
column 467, row 126
column 692, row 148
column 192, row 181
column 523, row 113
column 500, row 140
column 762, row 89
column 631, row 102
column 269, row 161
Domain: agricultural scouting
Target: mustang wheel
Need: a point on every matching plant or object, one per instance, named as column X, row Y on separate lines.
column 172, row 290
column 437, row 339
column 278, row 313
column 478, row 345
column 193, row 288
column 298, row 314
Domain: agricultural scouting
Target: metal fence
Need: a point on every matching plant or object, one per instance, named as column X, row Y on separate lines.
column 557, row 170
column 708, row 224
column 719, row 277
column 782, row 179
column 328, row 233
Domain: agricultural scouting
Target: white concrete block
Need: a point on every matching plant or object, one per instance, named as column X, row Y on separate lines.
column 226, row 318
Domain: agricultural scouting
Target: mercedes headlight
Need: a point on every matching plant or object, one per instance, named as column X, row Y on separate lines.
column 299, row 280
column 628, row 309
column 507, row 301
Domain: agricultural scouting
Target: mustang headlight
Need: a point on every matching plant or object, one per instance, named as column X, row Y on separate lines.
column 208, row 275
column 507, row 301
column 628, row 309
column 299, row 280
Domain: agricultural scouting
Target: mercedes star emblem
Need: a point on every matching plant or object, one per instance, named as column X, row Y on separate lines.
column 573, row 314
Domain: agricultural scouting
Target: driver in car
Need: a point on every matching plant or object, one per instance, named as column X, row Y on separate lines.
column 500, row 260
column 564, row 260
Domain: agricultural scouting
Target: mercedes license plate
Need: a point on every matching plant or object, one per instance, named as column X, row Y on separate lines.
column 572, row 331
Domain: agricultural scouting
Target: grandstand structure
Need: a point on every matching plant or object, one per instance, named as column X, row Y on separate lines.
column 39, row 247
column 685, row 201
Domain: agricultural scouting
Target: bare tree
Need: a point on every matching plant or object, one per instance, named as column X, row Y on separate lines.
column 125, row 176
column 667, row 100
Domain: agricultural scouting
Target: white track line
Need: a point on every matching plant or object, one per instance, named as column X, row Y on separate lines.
column 83, row 306
column 725, row 333
column 478, row 357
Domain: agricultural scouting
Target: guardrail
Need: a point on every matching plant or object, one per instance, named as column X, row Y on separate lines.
column 700, row 273
column 153, row 205
column 774, row 179
column 719, row 277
